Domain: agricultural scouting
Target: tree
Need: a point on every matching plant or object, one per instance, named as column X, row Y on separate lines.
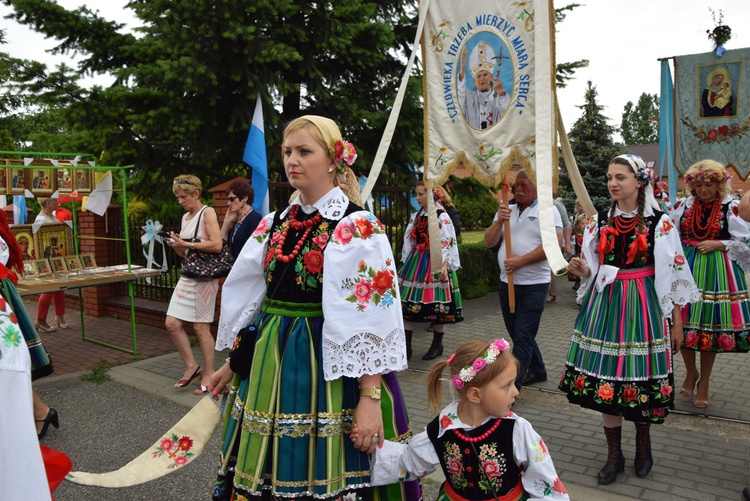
column 185, row 86
column 593, row 147
column 640, row 125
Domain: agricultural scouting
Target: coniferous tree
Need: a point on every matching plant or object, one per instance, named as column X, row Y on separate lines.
column 640, row 124
column 593, row 148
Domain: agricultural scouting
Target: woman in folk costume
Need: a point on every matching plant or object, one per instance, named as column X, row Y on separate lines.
column 312, row 308
column 715, row 241
column 635, row 278
column 427, row 296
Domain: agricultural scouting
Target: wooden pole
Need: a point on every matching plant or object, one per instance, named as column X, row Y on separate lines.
column 509, row 252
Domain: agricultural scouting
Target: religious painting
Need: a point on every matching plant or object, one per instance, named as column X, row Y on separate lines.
column 43, row 267
column 483, row 84
column 73, row 263
column 82, row 181
column 718, row 89
column 58, row 264
column 25, row 238
column 18, row 181
column 42, row 181
column 87, row 261
column 65, row 180
column 3, row 181
column 29, row 269
column 54, row 240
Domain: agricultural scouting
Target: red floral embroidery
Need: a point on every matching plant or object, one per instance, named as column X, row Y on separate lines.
column 313, row 260
column 364, row 226
column 383, row 281
column 445, row 421
column 679, row 260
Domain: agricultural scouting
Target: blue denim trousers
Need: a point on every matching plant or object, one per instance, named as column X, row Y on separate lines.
column 524, row 324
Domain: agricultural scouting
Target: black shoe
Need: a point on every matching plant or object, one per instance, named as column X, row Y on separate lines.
column 746, row 493
column 51, row 418
column 434, row 352
column 532, row 378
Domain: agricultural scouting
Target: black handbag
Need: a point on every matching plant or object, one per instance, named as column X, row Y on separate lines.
column 200, row 264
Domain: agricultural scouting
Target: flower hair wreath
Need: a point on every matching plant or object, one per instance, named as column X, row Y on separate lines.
column 342, row 152
column 466, row 374
column 707, row 176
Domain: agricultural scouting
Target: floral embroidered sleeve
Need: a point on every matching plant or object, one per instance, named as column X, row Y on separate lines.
column 738, row 249
column 540, row 478
column 448, row 241
column 242, row 293
column 363, row 332
column 673, row 281
column 396, row 462
column 590, row 256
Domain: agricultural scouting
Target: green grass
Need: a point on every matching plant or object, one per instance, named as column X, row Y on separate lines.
column 472, row 237
column 98, row 372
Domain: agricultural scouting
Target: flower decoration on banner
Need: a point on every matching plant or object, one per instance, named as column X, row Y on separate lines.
column 342, row 152
column 720, row 34
column 468, row 373
column 720, row 134
column 151, row 237
column 177, row 448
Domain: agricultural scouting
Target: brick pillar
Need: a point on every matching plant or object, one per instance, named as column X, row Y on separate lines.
column 107, row 226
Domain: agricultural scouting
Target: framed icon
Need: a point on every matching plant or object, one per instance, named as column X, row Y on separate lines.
column 42, row 181
column 73, row 263
column 42, row 267
column 65, row 179
column 25, row 238
column 58, row 264
column 87, row 261
column 82, row 181
column 3, row 181
column 18, row 181
column 29, row 269
column 54, row 240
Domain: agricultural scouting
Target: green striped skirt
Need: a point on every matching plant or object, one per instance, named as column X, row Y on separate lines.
column 424, row 297
column 720, row 321
column 620, row 358
column 285, row 431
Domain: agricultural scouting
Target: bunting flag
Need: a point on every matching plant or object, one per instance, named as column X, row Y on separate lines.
column 713, row 109
column 255, row 157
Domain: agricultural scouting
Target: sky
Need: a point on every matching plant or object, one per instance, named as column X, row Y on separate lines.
column 622, row 39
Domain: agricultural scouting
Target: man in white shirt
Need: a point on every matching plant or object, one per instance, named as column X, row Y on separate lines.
column 531, row 275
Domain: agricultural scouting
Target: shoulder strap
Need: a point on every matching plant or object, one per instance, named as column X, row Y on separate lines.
column 198, row 225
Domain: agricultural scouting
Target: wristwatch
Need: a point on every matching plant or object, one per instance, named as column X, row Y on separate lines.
column 373, row 393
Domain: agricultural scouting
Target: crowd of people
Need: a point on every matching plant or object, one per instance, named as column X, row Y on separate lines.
column 319, row 318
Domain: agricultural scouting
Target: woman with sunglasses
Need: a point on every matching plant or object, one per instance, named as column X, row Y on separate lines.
column 240, row 220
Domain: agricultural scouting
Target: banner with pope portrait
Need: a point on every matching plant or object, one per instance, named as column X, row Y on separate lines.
column 480, row 87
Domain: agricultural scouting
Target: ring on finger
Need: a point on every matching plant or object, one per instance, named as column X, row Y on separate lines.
column 375, row 437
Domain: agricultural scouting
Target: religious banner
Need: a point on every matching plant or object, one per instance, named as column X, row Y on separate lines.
column 480, row 87
column 713, row 109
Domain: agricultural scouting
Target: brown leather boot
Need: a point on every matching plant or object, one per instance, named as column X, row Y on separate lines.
column 615, row 460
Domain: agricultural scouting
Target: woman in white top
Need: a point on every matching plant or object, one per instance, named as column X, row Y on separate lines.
column 194, row 300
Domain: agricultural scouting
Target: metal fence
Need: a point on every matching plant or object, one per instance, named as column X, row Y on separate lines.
column 391, row 205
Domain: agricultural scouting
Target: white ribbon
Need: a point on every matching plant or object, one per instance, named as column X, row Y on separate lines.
column 151, row 237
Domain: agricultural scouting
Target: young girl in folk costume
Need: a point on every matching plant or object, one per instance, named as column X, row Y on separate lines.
column 485, row 450
column 715, row 241
column 635, row 278
column 428, row 296
column 313, row 303
column 579, row 227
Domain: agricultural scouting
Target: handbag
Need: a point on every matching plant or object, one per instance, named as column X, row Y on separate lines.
column 201, row 264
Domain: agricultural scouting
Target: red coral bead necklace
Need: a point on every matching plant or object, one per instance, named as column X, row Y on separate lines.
column 307, row 225
column 481, row 437
column 694, row 216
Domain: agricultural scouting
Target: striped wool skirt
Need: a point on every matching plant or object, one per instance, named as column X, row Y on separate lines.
column 620, row 358
column 424, row 297
column 286, row 429
column 720, row 321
